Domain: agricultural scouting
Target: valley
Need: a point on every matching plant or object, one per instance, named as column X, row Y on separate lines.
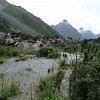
column 46, row 62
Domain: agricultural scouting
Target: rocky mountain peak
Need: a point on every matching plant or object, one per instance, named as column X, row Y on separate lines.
column 65, row 29
column 81, row 30
column 65, row 21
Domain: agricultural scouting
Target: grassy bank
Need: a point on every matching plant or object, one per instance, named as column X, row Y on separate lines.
column 6, row 51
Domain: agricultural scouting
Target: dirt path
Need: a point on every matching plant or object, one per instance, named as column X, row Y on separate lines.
column 64, row 89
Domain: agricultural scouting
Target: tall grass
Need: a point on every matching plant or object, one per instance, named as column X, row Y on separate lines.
column 7, row 89
column 49, row 88
column 6, row 51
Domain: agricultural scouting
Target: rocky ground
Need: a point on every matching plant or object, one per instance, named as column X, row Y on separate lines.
column 30, row 71
column 27, row 72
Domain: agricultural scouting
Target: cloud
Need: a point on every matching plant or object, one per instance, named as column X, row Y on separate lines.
column 80, row 13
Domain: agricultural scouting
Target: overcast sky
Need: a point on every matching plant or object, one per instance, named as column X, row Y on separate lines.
column 79, row 13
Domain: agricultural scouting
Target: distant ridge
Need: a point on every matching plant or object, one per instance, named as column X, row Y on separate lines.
column 65, row 29
column 88, row 34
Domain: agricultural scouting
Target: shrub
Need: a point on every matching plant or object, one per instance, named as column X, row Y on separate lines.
column 86, row 86
column 13, row 89
column 44, row 51
column 59, row 77
column 85, row 79
column 15, row 53
column 49, row 88
column 63, row 64
column 1, row 60
column 49, row 94
column 48, row 52
column 54, row 55
column 8, row 51
column 72, row 48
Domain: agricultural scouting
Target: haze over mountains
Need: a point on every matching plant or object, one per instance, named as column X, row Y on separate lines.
column 16, row 18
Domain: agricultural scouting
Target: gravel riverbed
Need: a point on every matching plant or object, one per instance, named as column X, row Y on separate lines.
column 30, row 71
column 26, row 72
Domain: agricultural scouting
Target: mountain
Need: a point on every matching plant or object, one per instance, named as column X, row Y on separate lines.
column 65, row 29
column 87, row 34
column 17, row 26
column 3, row 4
column 98, row 35
column 22, row 20
column 4, row 25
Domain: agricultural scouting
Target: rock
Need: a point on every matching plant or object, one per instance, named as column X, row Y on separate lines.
column 23, row 45
column 2, row 35
column 10, row 42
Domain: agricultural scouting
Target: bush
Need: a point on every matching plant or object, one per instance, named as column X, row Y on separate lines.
column 15, row 53
column 44, row 51
column 87, row 84
column 72, row 49
column 48, row 52
column 63, row 64
column 54, row 55
column 8, row 51
column 49, row 94
column 1, row 60
column 85, row 79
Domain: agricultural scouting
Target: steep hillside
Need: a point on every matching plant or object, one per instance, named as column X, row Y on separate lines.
column 4, row 25
column 31, row 21
column 66, row 30
column 17, row 26
column 3, row 4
